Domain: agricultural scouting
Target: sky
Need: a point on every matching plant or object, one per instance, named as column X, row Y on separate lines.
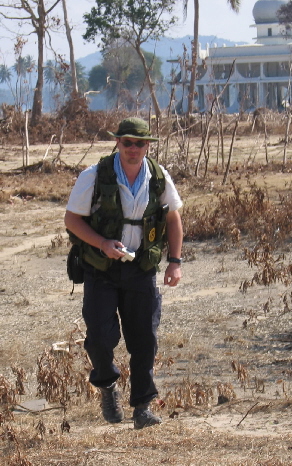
column 216, row 18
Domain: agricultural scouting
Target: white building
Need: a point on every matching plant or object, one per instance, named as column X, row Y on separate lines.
column 259, row 73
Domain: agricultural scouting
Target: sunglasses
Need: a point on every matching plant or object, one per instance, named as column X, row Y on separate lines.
column 138, row 144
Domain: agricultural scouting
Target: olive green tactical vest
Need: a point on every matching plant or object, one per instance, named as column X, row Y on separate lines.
column 108, row 219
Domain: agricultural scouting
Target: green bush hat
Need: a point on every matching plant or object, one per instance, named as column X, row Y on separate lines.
column 133, row 128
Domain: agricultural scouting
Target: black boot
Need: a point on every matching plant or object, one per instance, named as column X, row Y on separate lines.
column 143, row 417
column 111, row 405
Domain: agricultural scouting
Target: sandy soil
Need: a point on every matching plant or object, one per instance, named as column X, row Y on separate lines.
column 207, row 323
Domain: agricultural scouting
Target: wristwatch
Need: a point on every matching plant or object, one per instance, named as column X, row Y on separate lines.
column 174, row 260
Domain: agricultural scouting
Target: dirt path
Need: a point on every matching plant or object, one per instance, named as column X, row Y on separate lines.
column 207, row 323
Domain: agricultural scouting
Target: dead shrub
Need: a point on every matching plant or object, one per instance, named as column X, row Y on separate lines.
column 39, row 183
column 74, row 121
column 62, row 373
column 187, row 395
column 20, row 374
column 225, row 392
column 248, row 213
column 7, row 400
column 242, row 373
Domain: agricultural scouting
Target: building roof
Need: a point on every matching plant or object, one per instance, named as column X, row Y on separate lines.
column 265, row 11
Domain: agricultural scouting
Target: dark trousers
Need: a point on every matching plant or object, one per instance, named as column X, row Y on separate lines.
column 127, row 295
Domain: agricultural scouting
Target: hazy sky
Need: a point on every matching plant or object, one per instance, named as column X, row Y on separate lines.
column 216, row 18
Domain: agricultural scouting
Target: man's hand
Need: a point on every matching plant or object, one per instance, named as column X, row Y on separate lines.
column 110, row 248
column 174, row 238
column 172, row 274
column 77, row 225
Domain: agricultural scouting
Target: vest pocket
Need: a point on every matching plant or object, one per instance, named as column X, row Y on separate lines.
column 160, row 230
column 149, row 231
column 93, row 257
column 150, row 258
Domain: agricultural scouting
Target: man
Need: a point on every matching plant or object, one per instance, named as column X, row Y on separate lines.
column 129, row 206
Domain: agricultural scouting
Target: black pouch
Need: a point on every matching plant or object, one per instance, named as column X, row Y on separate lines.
column 74, row 268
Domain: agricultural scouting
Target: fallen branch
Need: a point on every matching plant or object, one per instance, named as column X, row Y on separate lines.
column 49, row 146
column 247, row 413
column 86, row 152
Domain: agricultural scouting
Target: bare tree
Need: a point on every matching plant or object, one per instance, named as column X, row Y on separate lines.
column 234, row 4
column 37, row 14
column 195, row 41
column 71, row 48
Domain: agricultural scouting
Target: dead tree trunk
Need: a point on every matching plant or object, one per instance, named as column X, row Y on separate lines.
column 26, row 138
column 230, row 153
column 205, row 140
column 150, row 83
column 71, row 48
column 38, row 93
column 191, row 94
column 222, row 139
column 286, row 139
column 266, row 141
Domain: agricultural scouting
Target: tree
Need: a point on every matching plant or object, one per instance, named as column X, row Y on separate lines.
column 122, row 74
column 37, row 14
column 51, row 72
column 97, row 77
column 81, row 80
column 134, row 22
column 234, row 4
column 23, row 66
column 5, row 74
column 285, row 16
column 74, row 79
column 58, row 76
column 54, row 78
column 20, row 66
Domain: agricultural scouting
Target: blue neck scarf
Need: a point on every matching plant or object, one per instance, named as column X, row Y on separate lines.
column 122, row 177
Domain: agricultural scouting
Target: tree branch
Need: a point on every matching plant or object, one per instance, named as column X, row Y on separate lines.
column 52, row 7
column 14, row 17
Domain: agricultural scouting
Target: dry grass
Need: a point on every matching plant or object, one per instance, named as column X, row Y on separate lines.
column 69, row 433
column 246, row 383
column 42, row 182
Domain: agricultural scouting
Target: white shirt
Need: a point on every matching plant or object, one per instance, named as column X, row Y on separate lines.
column 81, row 197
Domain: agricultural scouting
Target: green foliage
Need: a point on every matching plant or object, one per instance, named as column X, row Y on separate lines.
column 51, row 72
column 60, row 74
column 5, row 74
column 97, row 77
column 122, row 74
column 81, row 79
column 133, row 20
column 121, row 67
column 24, row 65
column 285, row 15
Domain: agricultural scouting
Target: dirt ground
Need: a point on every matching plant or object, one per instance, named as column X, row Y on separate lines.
column 233, row 343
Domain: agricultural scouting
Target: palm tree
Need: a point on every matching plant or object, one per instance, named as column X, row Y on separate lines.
column 81, row 80
column 29, row 63
column 234, row 4
column 22, row 67
column 5, row 74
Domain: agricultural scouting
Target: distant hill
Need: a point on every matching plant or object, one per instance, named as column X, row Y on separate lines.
column 166, row 48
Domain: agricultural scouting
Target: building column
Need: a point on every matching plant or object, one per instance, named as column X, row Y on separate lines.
column 261, row 88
